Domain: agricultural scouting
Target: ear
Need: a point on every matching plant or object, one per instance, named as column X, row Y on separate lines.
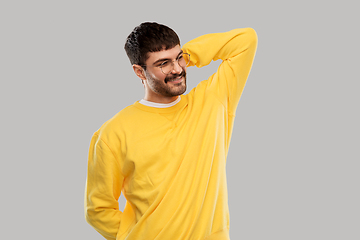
column 139, row 71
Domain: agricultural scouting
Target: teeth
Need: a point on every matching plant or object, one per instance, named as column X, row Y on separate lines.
column 175, row 79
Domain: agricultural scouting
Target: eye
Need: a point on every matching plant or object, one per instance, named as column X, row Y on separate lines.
column 165, row 63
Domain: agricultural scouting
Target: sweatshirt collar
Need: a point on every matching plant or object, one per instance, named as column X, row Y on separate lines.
column 177, row 106
column 159, row 105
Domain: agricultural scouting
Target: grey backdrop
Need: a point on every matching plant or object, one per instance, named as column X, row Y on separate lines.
column 293, row 165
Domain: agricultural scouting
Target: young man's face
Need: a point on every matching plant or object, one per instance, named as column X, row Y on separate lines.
column 163, row 87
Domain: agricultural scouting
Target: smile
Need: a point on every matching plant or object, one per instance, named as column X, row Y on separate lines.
column 176, row 80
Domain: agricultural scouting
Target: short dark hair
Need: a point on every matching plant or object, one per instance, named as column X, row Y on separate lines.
column 149, row 37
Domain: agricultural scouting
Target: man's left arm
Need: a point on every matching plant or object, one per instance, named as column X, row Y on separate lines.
column 236, row 49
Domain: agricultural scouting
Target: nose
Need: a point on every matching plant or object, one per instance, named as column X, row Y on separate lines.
column 177, row 68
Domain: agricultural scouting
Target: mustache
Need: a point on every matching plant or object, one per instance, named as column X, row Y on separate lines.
column 173, row 76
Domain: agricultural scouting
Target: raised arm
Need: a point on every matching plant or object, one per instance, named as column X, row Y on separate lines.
column 237, row 50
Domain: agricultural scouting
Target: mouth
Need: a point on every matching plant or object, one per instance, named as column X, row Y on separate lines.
column 176, row 79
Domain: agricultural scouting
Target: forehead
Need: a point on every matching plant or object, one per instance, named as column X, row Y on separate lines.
column 164, row 54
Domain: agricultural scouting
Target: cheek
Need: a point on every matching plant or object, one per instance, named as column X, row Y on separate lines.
column 151, row 77
column 157, row 77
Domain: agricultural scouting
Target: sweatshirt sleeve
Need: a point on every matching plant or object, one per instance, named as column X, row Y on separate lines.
column 236, row 49
column 103, row 189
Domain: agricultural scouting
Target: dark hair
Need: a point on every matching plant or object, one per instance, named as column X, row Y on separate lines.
column 149, row 37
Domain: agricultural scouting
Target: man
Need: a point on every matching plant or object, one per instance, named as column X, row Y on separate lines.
column 167, row 152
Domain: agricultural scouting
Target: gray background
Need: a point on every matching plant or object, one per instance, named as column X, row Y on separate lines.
column 293, row 165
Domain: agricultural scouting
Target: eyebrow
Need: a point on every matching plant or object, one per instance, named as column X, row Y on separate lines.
column 166, row 59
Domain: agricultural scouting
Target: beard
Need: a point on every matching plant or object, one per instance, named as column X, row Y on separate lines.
column 166, row 87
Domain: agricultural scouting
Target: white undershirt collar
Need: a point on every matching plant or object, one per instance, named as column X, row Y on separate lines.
column 159, row 105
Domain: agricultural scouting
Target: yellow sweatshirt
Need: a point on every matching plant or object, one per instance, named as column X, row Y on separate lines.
column 170, row 162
